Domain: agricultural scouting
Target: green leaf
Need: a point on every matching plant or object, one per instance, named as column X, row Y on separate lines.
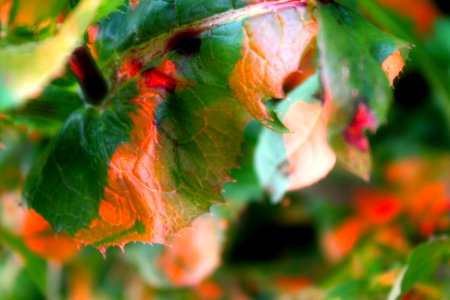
column 422, row 263
column 351, row 54
column 355, row 289
column 27, row 68
column 154, row 156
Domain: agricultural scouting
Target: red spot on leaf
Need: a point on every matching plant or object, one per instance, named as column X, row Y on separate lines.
column 161, row 77
column 363, row 119
column 129, row 69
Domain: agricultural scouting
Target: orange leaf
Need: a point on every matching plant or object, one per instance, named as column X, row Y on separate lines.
column 309, row 155
column 270, row 57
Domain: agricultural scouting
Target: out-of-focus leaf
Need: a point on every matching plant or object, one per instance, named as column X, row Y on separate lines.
column 356, row 289
column 422, row 263
column 35, row 265
column 39, row 237
column 49, row 111
column 155, row 155
column 16, row 156
column 351, row 54
column 27, row 68
column 188, row 258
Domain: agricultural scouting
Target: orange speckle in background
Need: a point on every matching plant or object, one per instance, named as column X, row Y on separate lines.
column 292, row 284
column 338, row 243
column 430, row 208
column 5, row 11
column 40, row 238
column 377, row 207
column 392, row 237
column 419, row 191
column 209, row 290
column 387, row 279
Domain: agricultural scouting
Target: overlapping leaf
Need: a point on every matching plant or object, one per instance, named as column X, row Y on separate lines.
column 357, row 63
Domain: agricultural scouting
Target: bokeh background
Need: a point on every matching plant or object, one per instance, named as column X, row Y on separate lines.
column 341, row 237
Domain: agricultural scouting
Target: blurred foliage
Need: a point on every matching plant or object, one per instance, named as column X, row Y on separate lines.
column 341, row 238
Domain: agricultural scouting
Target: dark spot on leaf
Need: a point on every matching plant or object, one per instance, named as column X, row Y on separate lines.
column 91, row 80
column 185, row 43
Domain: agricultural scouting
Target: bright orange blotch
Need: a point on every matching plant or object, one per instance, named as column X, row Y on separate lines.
column 139, row 201
column 393, row 65
column 40, row 238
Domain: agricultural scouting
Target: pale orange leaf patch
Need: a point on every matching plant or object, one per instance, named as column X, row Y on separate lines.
column 309, row 155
